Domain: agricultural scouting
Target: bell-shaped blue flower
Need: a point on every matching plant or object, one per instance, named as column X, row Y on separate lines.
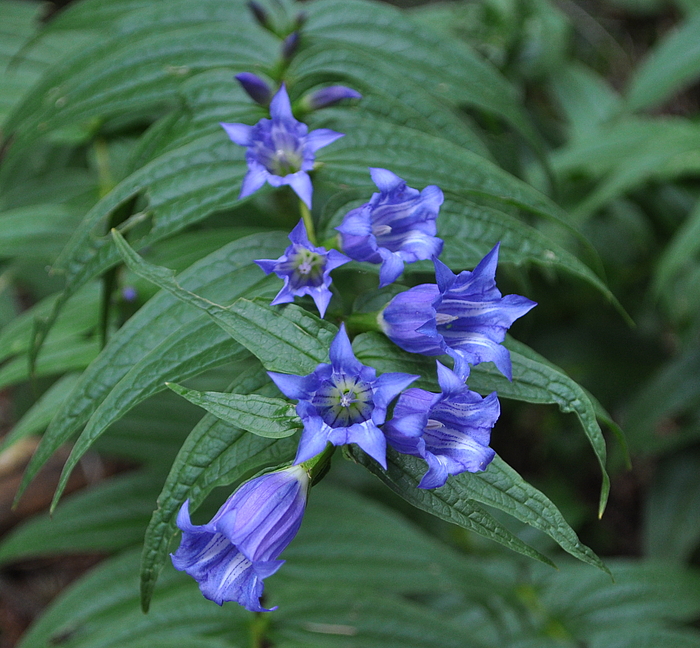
column 395, row 227
column 342, row 402
column 280, row 150
column 451, row 430
column 232, row 554
column 463, row 315
column 305, row 270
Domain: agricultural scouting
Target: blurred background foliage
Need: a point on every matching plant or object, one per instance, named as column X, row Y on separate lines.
column 612, row 88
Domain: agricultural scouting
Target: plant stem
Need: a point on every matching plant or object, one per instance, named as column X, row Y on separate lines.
column 308, row 222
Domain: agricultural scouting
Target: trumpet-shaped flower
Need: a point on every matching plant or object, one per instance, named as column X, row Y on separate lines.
column 451, row 430
column 305, row 270
column 395, row 227
column 342, row 402
column 231, row 555
column 463, row 315
column 280, row 150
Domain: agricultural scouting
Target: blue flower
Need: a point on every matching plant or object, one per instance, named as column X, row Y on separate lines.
column 281, row 150
column 305, row 270
column 396, row 226
column 231, row 555
column 451, row 430
column 342, row 402
column 463, row 315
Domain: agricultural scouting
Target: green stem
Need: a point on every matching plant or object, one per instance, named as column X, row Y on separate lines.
column 318, row 466
column 308, row 222
column 362, row 322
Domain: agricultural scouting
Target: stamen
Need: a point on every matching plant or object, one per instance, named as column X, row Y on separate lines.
column 381, row 230
column 444, row 318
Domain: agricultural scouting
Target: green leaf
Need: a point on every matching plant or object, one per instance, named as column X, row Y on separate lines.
column 671, row 65
column 107, row 517
column 101, row 610
column 78, row 318
column 449, row 70
column 40, row 414
column 448, row 503
column 672, row 516
column 288, row 340
column 680, row 253
column 324, row 615
column 36, row 231
column 214, row 454
column 224, row 275
column 273, row 418
column 501, row 487
column 535, row 380
column 140, row 64
column 70, row 354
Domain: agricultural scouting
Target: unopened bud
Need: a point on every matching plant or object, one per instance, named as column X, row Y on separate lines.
column 259, row 13
column 330, row 96
column 290, row 46
column 258, row 90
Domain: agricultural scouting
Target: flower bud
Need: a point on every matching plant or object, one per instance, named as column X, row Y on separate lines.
column 258, row 90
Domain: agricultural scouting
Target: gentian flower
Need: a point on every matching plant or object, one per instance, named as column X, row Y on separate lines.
column 305, row 270
column 231, row 555
column 281, row 150
column 463, row 315
column 451, row 430
column 396, row 226
column 342, row 402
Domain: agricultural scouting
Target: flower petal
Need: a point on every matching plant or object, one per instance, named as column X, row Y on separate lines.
column 301, row 183
column 385, row 180
column 254, row 179
column 321, row 137
column 239, row 133
column 296, row 387
column 280, row 107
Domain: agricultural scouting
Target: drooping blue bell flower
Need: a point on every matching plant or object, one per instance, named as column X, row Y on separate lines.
column 305, row 270
column 395, row 227
column 463, row 315
column 342, row 402
column 231, row 555
column 450, row 430
column 280, row 150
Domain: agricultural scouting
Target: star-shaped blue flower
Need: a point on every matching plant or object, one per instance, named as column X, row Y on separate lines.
column 305, row 270
column 342, row 402
column 395, row 227
column 231, row 555
column 451, row 430
column 281, row 150
column 463, row 315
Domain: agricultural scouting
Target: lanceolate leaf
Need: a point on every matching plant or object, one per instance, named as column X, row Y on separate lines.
column 215, row 453
column 273, row 418
column 223, row 275
column 535, row 380
column 450, row 71
column 503, row 488
column 107, row 517
column 403, row 475
column 288, row 340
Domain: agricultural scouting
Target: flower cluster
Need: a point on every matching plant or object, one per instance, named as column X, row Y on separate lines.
column 463, row 316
